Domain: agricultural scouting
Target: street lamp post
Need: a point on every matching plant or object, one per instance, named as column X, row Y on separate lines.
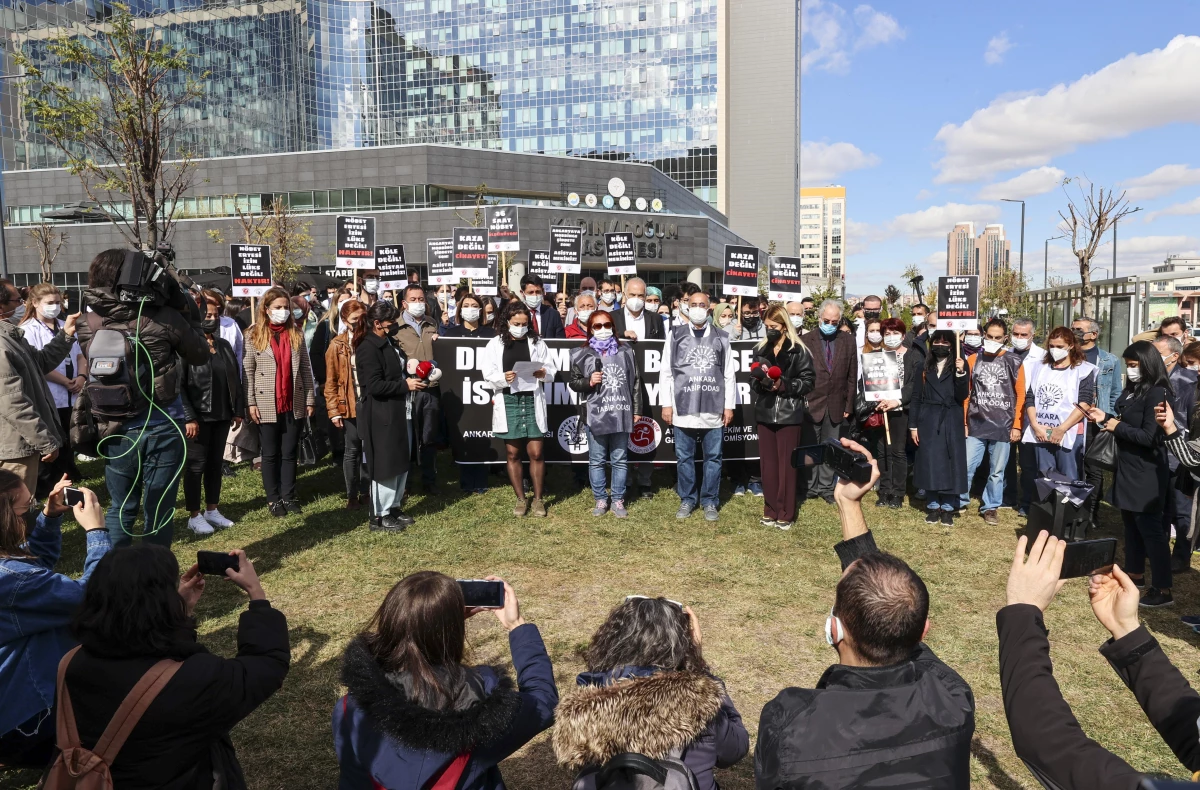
column 1114, row 266
column 1046, row 262
column 1022, row 253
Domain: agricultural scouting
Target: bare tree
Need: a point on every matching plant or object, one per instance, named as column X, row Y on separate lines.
column 47, row 240
column 1088, row 217
column 891, row 295
column 280, row 227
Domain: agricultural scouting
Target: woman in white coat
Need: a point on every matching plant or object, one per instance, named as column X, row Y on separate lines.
column 518, row 414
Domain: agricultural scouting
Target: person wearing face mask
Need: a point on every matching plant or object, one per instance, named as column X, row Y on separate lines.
column 1177, row 510
column 469, row 322
column 213, row 401
column 894, row 479
column 697, row 392
column 341, row 393
column 972, row 340
column 836, row 361
column 936, row 428
column 1108, row 389
column 280, row 396
column 518, row 415
column 329, row 327
column 1057, row 383
column 994, row 409
column 585, row 305
column 748, row 323
column 43, row 320
column 416, row 337
column 604, row 373
column 35, row 632
column 724, row 317
column 633, row 321
column 745, row 475
column 561, row 302
column 872, row 309
column 607, row 296
column 654, row 305
column 1019, row 485
column 918, row 336
column 546, row 319
column 796, row 313
column 385, row 387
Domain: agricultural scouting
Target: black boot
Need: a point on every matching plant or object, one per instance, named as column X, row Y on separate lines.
column 386, row 524
column 401, row 517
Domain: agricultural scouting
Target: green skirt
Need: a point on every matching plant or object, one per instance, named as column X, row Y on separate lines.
column 521, row 412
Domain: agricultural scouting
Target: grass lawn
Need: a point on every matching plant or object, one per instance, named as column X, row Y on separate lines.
column 761, row 596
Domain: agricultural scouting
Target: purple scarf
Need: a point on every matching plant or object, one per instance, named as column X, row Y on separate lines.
column 605, row 348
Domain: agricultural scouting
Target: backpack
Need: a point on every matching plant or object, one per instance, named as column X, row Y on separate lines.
column 77, row 768
column 115, row 394
column 631, row 771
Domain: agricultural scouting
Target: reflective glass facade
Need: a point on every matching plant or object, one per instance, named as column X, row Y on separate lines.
column 621, row 79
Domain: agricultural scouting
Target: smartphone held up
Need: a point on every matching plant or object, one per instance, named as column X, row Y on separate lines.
column 482, row 594
column 845, row 463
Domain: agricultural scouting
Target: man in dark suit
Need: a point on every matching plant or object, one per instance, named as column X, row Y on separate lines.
column 918, row 336
column 546, row 321
column 832, row 398
column 632, row 321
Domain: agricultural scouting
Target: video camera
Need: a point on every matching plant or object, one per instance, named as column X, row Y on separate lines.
column 845, row 463
column 152, row 277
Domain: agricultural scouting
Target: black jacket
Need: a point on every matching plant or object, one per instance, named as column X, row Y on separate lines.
column 196, row 387
column 904, row 725
column 184, row 734
column 833, row 392
column 550, row 325
column 382, row 411
column 1046, row 735
column 1140, row 479
column 653, row 321
column 936, row 412
column 785, row 407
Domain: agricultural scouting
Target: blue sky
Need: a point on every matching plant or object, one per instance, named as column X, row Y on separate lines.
column 929, row 112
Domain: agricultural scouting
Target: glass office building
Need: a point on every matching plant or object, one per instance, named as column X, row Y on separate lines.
column 618, row 79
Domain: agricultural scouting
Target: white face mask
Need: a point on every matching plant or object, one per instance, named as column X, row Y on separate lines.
column 1059, row 354
column 371, row 286
column 724, row 321
column 697, row 315
column 893, row 341
column 1133, row 374
column 487, row 318
column 678, row 314
column 470, row 314
column 608, row 297
column 518, row 332
column 651, row 306
column 415, row 309
column 972, row 341
column 874, row 337
column 443, row 298
column 602, row 334
column 278, row 316
column 583, row 315
column 917, row 320
column 297, row 313
column 1020, row 343
column 635, row 304
column 51, row 311
column 1193, row 367
column 797, row 321
column 533, row 301
column 992, row 346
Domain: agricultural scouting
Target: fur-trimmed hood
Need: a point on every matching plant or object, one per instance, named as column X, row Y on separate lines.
column 444, row 731
column 649, row 715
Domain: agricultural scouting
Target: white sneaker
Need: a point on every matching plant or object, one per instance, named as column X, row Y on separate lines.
column 82, row 457
column 215, row 518
column 198, row 525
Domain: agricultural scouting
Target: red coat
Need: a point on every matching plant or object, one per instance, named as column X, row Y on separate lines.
column 574, row 330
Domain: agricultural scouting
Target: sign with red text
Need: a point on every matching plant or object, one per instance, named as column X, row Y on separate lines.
column 250, row 266
column 355, row 237
column 958, row 302
column 740, row 276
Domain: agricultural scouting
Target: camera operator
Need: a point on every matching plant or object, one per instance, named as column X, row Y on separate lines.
column 889, row 707
column 144, row 446
column 1045, row 734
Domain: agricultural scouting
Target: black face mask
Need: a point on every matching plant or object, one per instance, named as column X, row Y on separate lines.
column 392, row 330
column 751, row 322
column 940, row 351
column 210, row 325
column 773, row 335
column 871, row 315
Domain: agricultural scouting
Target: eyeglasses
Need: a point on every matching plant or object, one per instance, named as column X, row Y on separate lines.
column 601, row 326
column 629, row 598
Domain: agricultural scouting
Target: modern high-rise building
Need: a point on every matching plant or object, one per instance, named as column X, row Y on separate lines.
column 705, row 90
column 823, row 234
column 960, row 250
column 984, row 255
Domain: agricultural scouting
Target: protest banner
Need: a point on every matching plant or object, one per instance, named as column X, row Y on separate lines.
column 250, row 268
column 958, row 302
column 467, row 406
column 355, row 242
column 566, row 249
column 619, row 252
column 489, row 284
column 881, row 376
column 470, row 252
column 390, row 268
column 439, row 259
column 504, row 234
column 784, row 282
column 539, row 264
column 740, row 276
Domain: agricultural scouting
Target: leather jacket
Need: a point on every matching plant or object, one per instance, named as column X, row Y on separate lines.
column 196, row 386
column 787, row 406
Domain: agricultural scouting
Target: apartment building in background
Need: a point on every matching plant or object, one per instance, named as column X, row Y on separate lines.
column 983, row 255
column 823, row 234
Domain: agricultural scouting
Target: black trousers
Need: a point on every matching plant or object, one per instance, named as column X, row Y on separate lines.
column 1146, row 539
column 892, row 457
column 1093, row 475
column 279, row 441
column 50, row 474
column 352, row 465
column 205, row 456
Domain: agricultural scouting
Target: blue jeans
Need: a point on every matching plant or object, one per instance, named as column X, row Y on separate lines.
column 1065, row 462
column 145, row 465
column 997, row 451
column 709, row 440
column 387, row 494
column 612, row 449
column 940, row 500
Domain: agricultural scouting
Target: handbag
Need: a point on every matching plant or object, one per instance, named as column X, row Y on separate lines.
column 306, row 450
column 1101, row 451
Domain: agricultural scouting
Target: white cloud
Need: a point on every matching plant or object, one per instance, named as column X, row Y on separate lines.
column 1135, row 255
column 828, row 37
column 1038, row 181
column 994, row 54
column 1139, row 91
column 1162, row 181
column 925, row 194
column 936, row 261
column 823, row 162
column 1177, row 210
column 937, row 221
column 860, row 236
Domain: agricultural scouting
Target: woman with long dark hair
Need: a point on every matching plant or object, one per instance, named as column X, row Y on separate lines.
column 37, row 608
column 648, row 690
column 605, row 375
column 383, row 414
column 893, row 479
column 414, row 716
column 279, row 392
column 136, row 612
column 1140, row 480
column 518, row 413
column 936, row 428
column 1057, row 383
column 341, row 400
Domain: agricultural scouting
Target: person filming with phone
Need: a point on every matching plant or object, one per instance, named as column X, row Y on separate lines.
column 889, row 707
column 37, row 608
column 414, row 716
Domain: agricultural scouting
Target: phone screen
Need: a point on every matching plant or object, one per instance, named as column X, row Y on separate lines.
column 1085, row 557
column 810, row 455
column 480, row 593
column 214, row 563
column 72, row 497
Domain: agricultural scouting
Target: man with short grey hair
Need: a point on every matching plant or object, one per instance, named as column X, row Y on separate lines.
column 835, row 359
column 1108, row 389
column 1020, row 496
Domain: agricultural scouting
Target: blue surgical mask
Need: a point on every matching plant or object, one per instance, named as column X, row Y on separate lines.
column 828, row 329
